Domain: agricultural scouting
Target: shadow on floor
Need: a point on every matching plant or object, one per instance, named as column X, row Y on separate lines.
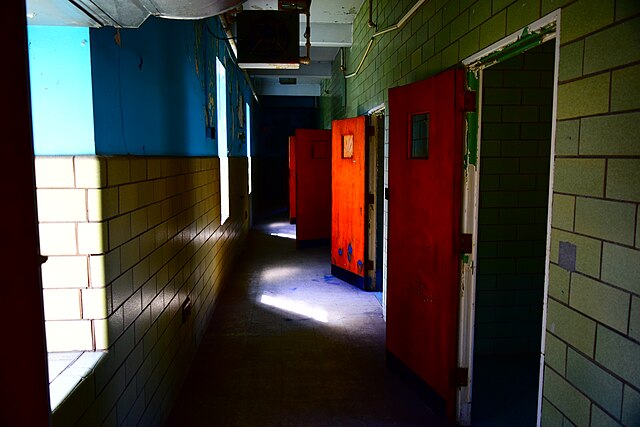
column 284, row 365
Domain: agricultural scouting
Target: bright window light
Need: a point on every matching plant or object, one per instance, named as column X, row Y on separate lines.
column 296, row 307
column 221, row 89
column 248, row 121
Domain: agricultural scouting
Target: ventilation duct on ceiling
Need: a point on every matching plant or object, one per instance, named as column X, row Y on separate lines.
column 268, row 39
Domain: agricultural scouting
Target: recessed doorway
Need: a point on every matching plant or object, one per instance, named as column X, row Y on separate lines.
column 512, row 234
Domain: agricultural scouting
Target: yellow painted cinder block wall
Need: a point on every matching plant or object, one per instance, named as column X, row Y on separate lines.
column 128, row 240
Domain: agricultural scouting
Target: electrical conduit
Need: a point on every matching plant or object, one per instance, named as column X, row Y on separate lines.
column 394, row 27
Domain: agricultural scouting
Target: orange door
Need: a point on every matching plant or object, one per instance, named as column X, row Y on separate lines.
column 313, row 185
column 292, row 179
column 348, row 210
column 425, row 169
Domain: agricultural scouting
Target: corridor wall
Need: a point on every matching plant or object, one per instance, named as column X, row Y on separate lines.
column 137, row 252
column 593, row 317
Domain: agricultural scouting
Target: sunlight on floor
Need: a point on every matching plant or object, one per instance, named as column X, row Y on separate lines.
column 282, row 229
column 296, row 307
column 279, row 273
column 285, row 235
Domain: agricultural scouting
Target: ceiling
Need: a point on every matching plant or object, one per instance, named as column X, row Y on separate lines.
column 330, row 23
column 331, row 28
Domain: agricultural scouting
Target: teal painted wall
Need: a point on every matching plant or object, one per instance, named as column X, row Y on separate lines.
column 61, row 98
column 148, row 90
column 144, row 91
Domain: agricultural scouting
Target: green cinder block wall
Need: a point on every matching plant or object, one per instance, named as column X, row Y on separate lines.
column 514, row 182
column 593, row 317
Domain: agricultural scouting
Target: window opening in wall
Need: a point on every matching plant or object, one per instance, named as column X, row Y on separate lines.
column 221, row 94
column 248, row 121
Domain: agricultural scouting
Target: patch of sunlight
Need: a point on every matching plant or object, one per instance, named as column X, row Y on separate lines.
column 277, row 273
column 285, row 235
column 296, row 307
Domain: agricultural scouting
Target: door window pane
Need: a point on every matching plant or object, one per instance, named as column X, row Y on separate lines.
column 319, row 150
column 419, row 136
column 347, row 146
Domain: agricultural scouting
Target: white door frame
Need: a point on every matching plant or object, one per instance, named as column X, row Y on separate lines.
column 470, row 205
column 381, row 109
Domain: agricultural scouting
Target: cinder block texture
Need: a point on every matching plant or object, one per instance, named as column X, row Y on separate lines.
column 122, row 262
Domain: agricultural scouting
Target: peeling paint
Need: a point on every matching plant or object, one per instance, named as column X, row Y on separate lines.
column 471, row 156
column 197, row 45
column 117, row 38
column 211, row 107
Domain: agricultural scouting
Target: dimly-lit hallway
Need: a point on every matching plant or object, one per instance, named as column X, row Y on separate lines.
column 325, row 365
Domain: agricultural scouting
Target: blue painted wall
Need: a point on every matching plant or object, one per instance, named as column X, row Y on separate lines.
column 144, row 91
column 61, row 98
column 149, row 90
column 154, row 89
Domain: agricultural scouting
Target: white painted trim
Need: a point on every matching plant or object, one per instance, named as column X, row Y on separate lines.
column 500, row 44
column 377, row 109
column 471, row 204
column 554, row 113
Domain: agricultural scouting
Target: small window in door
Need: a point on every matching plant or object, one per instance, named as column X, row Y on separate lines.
column 419, row 141
column 347, row 146
column 319, row 150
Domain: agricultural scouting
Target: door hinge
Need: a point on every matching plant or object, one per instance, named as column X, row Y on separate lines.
column 370, row 199
column 386, row 193
column 368, row 265
column 462, row 377
column 466, row 243
column 470, row 100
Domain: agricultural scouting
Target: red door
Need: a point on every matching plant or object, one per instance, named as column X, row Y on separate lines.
column 348, row 212
column 292, row 180
column 313, row 185
column 425, row 169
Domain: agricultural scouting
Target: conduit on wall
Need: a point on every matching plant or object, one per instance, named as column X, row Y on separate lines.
column 394, row 27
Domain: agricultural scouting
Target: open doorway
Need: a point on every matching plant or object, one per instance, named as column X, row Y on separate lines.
column 376, row 215
column 515, row 149
column 357, row 171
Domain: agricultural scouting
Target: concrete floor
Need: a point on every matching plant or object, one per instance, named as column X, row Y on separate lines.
column 318, row 360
